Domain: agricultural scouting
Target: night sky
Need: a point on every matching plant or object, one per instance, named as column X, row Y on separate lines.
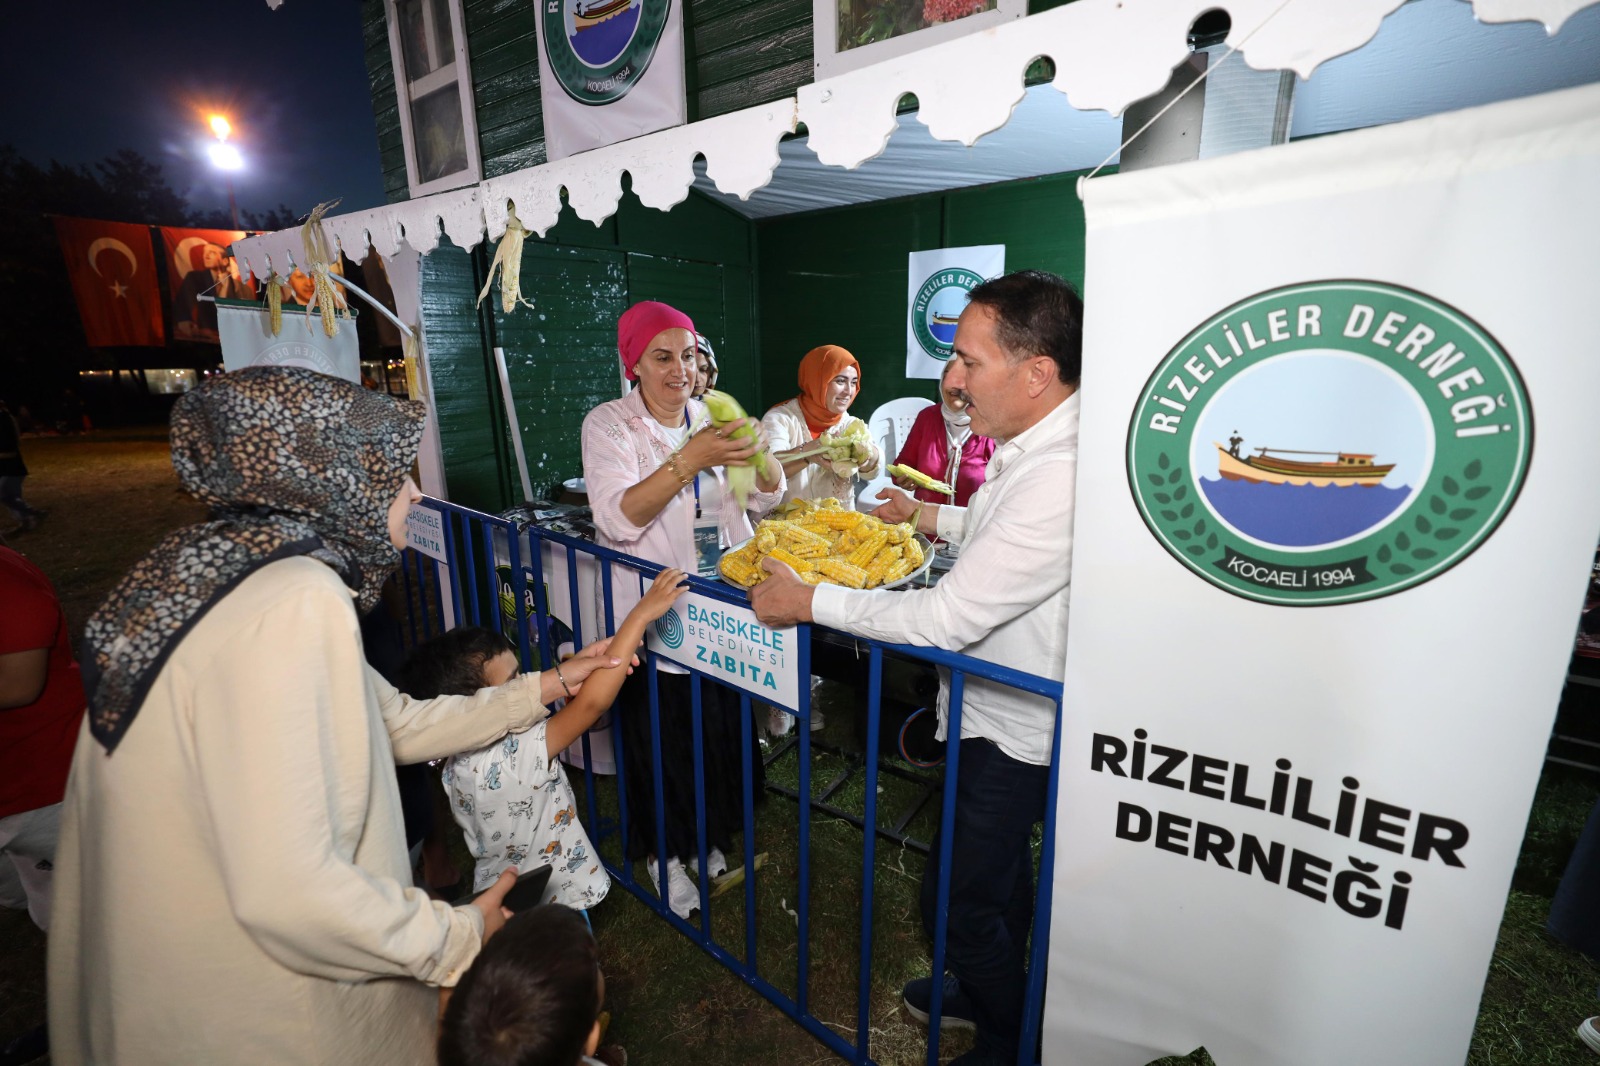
column 84, row 78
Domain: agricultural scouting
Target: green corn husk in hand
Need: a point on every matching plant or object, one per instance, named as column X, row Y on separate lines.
column 741, row 478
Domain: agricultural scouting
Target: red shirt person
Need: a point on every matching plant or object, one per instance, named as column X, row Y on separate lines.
column 942, row 445
column 41, row 708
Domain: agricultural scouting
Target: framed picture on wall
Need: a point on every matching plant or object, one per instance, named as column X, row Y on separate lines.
column 848, row 34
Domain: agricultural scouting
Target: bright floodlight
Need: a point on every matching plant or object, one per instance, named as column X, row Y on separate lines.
column 220, row 127
column 226, row 157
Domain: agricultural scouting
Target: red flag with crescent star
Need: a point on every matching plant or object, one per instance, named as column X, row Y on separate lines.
column 113, row 270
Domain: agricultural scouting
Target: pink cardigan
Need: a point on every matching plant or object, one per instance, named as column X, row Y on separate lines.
column 926, row 449
column 623, row 445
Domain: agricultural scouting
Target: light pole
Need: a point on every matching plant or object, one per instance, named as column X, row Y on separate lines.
column 226, row 158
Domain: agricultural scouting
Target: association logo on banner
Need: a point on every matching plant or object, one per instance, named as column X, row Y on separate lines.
column 939, row 283
column 1329, row 442
column 728, row 643
column 599, row 49
column 609, row 70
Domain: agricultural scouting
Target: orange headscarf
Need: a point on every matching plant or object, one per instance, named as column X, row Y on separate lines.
column 817, row 369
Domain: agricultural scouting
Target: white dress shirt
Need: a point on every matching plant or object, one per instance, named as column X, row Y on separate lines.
column 1005, row 600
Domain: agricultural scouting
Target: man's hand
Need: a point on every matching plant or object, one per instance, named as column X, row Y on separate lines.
column 782, row 599
column 490, row 903
column 899, row 507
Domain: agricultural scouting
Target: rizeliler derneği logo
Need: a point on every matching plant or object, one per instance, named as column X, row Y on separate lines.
column 599, row 49
column 1329, row 442
column 937, row 307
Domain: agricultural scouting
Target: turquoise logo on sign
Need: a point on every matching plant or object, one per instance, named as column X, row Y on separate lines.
column 670, row 629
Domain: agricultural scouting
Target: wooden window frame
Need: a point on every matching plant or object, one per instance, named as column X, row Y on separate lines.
column 406, row 90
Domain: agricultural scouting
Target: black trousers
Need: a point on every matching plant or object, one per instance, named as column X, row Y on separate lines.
column 998, row 800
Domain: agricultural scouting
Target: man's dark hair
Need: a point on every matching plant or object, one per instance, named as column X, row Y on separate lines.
column 1036, row 313
column 530, row 998
column 451, row 664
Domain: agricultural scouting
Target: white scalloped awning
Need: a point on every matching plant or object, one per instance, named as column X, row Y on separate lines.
column 1107, row 55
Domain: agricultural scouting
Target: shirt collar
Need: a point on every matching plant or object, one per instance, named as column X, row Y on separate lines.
column 1059, row 424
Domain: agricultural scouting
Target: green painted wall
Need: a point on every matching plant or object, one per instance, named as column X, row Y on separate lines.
column 561, row 356
column 737, row 53
column 839, row 276
column 764, row 292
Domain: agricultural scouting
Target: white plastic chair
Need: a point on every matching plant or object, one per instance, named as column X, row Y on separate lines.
column 889, row 425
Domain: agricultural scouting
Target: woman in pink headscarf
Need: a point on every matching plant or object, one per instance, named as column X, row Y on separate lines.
column 642, row 457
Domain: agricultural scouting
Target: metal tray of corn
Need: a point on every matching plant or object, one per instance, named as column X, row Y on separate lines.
column 844, row 548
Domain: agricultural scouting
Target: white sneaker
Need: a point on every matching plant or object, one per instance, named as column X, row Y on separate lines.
column 779, row 722
column 817, row 720
column 1589, row 1033
column 716, row 863
column 682, row 895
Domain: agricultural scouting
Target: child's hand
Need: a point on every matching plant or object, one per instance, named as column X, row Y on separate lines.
column 666, row 588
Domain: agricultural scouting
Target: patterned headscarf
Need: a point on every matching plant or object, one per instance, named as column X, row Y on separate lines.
column 291, row 462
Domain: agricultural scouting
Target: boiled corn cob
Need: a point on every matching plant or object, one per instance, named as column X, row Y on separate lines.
column 841, row 572
column 788, row 558
column 868, row 549
column 920, row 479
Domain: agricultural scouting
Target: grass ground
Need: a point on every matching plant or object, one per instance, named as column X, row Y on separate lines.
column 113, row 495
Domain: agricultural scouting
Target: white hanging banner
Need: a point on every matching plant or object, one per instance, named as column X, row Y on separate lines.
column 937, row 285
column 1325, row 583
column 608, row 70
column 247, row 340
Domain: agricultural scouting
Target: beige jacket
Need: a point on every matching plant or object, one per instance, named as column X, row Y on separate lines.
column 232, row 885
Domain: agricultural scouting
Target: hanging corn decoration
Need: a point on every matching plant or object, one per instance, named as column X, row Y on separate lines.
column 275, row 302
column 409, row 346
column 508, row 258
column 319, row 255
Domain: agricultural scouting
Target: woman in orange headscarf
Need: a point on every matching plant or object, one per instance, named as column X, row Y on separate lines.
column 830, row 378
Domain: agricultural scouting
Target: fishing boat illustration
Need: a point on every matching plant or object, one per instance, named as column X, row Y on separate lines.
column 587, row 16
column 941, row 319
column 1267, row 466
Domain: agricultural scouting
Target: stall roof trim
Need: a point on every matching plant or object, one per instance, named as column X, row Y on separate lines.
column 1107, row 55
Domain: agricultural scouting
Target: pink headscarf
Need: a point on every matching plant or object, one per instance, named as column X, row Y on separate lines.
column 639, row 325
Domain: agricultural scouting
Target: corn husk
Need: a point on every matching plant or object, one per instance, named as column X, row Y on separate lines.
column 275, row 302
column 741, row 478
column 508, row 259
column 319, row 255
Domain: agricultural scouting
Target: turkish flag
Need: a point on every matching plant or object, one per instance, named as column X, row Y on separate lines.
column 113, row 271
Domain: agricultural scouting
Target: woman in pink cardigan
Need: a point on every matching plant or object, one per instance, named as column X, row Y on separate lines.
column 642, row 457
column 942, row 445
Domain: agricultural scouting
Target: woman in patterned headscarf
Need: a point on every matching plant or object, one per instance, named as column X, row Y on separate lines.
column 232, row 883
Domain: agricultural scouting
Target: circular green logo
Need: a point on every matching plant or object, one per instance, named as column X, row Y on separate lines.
column 1329, row 442
column 936, row 308
column 599, row 49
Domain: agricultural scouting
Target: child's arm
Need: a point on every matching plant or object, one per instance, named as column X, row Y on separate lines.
column 600, row 690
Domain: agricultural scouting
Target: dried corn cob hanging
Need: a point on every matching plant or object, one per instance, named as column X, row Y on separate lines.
column 320, row 256
column 275, row 302
column 508, row 258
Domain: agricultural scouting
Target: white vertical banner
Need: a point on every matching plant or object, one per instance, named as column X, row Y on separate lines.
column 247, row 340
column 1324, row 585
column 608, row 70
column 936, row 293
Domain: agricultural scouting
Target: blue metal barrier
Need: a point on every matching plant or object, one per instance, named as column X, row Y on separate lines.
column 475, row 592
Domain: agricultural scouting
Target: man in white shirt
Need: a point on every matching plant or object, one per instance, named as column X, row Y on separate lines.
column 1018, row 348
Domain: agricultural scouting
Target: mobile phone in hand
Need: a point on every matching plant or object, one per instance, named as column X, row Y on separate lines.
column 529, row 891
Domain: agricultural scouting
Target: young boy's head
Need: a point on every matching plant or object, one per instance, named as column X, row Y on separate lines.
column 531, row 998
column 458, row 663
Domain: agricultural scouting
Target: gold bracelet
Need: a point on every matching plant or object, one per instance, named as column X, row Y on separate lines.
column 677, row 471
